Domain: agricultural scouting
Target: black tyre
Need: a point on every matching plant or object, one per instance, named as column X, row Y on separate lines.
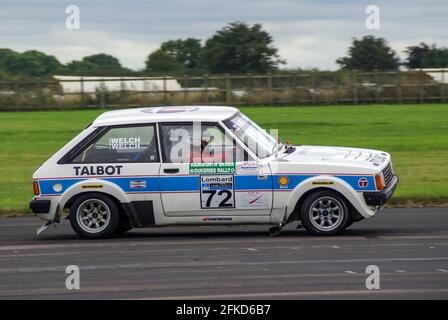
column 94, row 216
column 325, row 213
column 124, row 225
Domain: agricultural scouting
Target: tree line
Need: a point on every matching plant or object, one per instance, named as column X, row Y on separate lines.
column 238, row 48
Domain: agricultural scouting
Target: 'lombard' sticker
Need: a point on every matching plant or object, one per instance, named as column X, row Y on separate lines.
column 217, row 191
column 137, row 184
column 212, row 168
column 254, row 199
column 248, row 168
column 363, row 183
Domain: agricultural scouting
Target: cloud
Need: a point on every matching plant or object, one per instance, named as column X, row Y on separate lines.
column 307, row 33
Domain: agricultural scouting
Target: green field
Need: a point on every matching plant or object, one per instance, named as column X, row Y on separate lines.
column 415, row 135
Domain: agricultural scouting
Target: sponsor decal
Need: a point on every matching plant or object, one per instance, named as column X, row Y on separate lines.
column 97, row 170
column 212, row 168
column 137, row 184
column 57, row 187
column 283, row 181
column 217, row 191
column 254, row 200
column 216, row 219
column 248, row 168
column 363, row 183
column 323, row 183
column 92, row 186
column 124, row 143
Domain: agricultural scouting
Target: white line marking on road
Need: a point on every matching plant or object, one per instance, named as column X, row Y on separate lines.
column 350, row 272
column 442, row 270
column 400, row 271
column 336, row 247
column 252, row 249
column 297, row 294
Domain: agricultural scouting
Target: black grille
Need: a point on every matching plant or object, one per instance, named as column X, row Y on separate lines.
column 388, row 174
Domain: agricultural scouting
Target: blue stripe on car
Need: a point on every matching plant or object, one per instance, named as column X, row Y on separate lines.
column 192, row 183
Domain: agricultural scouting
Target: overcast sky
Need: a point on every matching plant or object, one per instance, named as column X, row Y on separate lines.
column 307, row 33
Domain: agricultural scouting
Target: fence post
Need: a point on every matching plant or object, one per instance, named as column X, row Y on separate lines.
column 421, row 87
column 248, row 87
column 314, row 87
column 205, row 76
column 18, row 95
column 271, row 97
column 39, row 94
column 228, row 89
column 336, row 88
column 378, row 87
column 399, row 88
column 82, row 91
column 355, row 87
column 164, row 91
column 121, row 91
column 442, row 86
column 294, row 90
column 185, row 89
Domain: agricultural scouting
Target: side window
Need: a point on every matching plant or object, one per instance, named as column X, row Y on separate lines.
column 122, row 144
column 201, row 142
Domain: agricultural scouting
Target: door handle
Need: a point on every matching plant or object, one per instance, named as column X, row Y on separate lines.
column 171, row 170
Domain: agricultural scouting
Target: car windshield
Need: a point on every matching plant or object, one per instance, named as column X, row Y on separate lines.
column 254, row 137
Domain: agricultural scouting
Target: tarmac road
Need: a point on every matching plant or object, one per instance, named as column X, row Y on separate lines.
column 410, row 247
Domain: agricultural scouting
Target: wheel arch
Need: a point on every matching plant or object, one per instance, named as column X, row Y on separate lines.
column 332, row 183
column 107, row 188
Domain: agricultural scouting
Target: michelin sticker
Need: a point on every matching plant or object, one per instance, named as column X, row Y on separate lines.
column 217, row 191
column 254, row 200
column 212, row 168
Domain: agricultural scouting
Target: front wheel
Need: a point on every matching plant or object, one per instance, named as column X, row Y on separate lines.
column 94, row 216
column 324, row 213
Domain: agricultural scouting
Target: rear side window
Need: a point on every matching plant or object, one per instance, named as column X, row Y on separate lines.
column 122, row 144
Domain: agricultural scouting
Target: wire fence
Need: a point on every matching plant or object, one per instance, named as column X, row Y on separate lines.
column 302, row 88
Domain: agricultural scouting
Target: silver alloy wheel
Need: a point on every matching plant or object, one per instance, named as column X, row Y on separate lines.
column 326, row 213
column 93, row 215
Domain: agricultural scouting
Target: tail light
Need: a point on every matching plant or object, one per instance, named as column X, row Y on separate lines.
column 379, row 181
column 36, row 188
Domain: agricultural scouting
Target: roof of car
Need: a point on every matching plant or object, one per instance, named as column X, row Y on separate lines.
column 171, row 113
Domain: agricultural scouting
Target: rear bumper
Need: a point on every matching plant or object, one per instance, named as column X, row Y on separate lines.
column 380, row 198
column 40, row 206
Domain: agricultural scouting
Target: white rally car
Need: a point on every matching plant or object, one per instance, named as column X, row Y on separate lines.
column 192, row 165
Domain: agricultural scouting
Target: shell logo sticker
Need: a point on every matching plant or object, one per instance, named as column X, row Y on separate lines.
column 363, row 183
column 283, row 181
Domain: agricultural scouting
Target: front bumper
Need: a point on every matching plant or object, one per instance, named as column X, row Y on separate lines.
column 40, row 206
column 380, row 198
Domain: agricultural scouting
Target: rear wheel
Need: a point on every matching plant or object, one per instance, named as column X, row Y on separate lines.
column 324, row 213
column 94, row 216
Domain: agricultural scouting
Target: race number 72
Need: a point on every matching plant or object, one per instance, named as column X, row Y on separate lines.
column 225, row 195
